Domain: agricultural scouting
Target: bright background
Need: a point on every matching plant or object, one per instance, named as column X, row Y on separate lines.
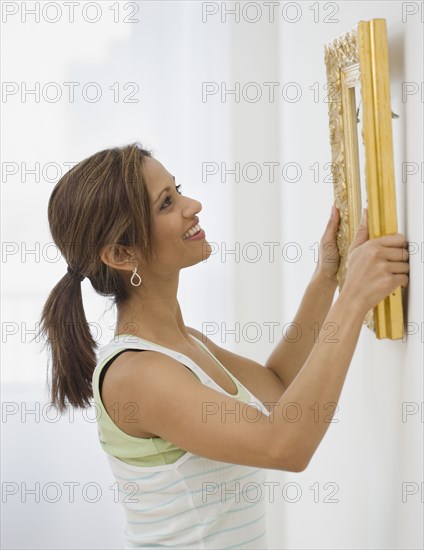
column 372, row 457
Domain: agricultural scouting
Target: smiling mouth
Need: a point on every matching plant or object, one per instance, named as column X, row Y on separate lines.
column 193, row 231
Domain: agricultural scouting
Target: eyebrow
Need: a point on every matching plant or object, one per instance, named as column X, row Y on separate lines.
column 163, row 191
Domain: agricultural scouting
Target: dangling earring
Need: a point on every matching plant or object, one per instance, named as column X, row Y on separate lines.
column 132, row 277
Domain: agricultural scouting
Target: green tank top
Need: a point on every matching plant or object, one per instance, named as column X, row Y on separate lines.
column 138, row 451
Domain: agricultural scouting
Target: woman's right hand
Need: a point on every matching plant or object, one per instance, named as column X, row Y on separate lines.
column 375, row 267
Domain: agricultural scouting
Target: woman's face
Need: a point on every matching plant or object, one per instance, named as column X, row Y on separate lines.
column 172, row 215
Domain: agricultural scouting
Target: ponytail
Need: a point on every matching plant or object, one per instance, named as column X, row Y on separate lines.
column 102, row 200
column 71, row 344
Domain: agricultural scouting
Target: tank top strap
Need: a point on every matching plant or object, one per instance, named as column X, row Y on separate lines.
column 243, row 393
column 128, row 341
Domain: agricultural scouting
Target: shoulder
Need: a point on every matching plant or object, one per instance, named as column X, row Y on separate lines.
column 130, row 367
column 149, row 377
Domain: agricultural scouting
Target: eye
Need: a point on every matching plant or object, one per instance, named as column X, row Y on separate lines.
column 167, row 200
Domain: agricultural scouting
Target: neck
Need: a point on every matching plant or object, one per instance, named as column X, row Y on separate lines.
column 154, row 313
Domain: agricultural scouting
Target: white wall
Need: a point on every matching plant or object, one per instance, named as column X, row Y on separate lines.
column 370, row 452
column 170, row 52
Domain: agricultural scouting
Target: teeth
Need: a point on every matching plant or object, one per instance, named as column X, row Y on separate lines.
column 192, row 231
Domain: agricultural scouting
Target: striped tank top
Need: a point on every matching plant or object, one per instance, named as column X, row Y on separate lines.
column 173, row 498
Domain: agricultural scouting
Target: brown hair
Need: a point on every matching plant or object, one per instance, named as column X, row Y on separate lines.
column 102, row 200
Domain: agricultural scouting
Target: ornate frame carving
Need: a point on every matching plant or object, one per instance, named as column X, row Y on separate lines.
column 359, row 57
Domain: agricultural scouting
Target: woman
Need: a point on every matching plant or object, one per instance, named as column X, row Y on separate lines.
column 190, row 428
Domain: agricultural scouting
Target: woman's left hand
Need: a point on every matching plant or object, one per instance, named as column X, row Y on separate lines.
column 329, row 258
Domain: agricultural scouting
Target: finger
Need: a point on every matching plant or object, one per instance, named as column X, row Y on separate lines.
column 360, row 238
column 399, row 267
column 335, row 213
column 397, row 240
column 396, row 254
column 402, row 280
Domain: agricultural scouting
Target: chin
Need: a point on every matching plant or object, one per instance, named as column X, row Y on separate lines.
column 206, row 250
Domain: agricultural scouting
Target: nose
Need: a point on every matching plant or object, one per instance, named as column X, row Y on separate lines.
column 192, row 207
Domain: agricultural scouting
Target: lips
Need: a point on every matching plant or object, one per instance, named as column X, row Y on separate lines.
column 192, row 231
column 191, row 227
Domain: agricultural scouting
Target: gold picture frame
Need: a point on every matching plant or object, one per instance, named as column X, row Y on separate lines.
column 359, row 59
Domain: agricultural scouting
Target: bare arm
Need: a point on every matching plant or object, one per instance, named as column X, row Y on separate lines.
column 291, row 352
column 194, row 417
column 187, row 413
column 319, row 383
column 180, row 409
column 375, row 268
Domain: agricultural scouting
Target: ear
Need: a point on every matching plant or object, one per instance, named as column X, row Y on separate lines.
column 118, row 256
